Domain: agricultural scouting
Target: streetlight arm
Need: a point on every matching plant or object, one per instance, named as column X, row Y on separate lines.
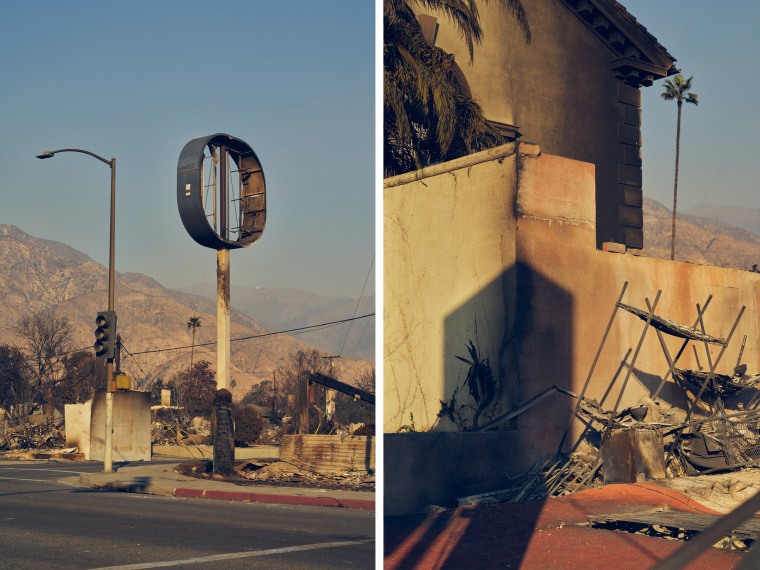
column 50, row 153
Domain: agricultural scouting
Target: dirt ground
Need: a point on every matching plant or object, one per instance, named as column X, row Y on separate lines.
column 280, row 474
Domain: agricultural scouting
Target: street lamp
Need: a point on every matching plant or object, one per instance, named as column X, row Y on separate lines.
column 108, row 451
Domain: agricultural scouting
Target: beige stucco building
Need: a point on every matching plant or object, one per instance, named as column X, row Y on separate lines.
column 574, row 89
column 524, row 250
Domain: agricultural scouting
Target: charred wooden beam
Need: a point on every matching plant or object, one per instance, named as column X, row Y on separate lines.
column 334, row 384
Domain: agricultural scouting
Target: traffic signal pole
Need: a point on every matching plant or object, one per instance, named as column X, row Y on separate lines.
column 108, row 443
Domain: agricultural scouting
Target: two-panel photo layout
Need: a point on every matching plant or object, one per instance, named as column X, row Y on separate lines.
column 390, row 284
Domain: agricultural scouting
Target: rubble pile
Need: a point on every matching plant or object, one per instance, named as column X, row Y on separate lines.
column 32, row 432
column 176, row 429
column 718, row 431
column 283, row 473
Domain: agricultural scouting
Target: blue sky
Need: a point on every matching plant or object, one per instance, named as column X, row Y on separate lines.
column 136, row 80
column 719, row 45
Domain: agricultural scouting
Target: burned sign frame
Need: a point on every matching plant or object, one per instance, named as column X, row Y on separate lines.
column 252, row 190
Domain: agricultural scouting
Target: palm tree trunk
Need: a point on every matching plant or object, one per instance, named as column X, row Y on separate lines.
column 192, row 349
column 675, row 185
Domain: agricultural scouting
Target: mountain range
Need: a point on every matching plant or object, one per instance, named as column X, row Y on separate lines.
column 38, row 274
column 728, row 237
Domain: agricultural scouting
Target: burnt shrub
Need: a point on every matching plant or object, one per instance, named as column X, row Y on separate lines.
column 248, row 424
column 365, row 430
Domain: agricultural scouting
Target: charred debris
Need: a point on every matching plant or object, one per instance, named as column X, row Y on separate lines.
column 717, row 432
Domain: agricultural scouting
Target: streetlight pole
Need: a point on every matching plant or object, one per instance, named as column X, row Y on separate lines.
column 108, row 445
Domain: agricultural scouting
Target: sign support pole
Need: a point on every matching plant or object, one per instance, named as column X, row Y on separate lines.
column 222, row 319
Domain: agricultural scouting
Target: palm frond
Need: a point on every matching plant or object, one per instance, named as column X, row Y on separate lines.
column 427, row 118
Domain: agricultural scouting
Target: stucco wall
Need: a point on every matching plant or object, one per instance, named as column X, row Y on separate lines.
column 561, row 91
column 506, row 241
column 447, row 241
column 562, row 325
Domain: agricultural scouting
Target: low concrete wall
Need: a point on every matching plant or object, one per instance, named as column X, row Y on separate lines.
column 131, row 426
column 77, row 419
column 330, row 453
column 207, row 452
column 438, row 467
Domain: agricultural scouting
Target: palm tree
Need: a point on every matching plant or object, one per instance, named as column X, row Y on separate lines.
column 427, row 118
column 677, row 88
column 192, row 324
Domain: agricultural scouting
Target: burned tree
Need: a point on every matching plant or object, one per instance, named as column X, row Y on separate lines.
column 290, row 377
column 47, row 338
column 195, row 388
column 15, row 387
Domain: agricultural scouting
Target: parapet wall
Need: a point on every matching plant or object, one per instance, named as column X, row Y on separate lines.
column 569, row 293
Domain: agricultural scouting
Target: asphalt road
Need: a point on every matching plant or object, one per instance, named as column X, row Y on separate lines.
column 47, row 524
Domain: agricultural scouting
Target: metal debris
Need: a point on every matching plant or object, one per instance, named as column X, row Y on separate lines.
column 673, row 329
column 712, row 441
column 720, row 385
column 32, row 432
column 677, row 525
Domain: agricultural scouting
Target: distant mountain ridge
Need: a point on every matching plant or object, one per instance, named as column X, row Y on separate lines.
column 37, row 274
column 701, row 239
column 745, row 218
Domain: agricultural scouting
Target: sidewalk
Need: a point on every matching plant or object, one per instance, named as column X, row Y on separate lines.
column 546, row 535
column 160, row 479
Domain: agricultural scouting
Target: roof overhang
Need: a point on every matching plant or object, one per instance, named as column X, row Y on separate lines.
column 640, row 58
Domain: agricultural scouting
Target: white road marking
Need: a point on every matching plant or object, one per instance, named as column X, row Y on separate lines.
column 37, row 469
column 22, row 479
column 236, row 555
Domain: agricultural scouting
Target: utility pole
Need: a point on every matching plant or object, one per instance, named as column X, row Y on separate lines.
column 274, row 397
column 329, row 392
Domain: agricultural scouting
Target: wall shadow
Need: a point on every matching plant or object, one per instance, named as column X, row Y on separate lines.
column 522, row 322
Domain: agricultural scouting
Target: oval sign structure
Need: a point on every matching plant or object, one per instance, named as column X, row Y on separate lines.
column 238, row 163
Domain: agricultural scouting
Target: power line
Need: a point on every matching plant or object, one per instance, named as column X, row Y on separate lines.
column 297, row 330
column 145, row 374
column 371, row 265
column 263, row 335
column 358, row 342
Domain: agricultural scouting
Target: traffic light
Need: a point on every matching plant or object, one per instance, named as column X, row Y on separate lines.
column 105, row 334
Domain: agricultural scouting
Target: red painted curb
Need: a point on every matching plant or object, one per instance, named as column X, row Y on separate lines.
column 276, row 499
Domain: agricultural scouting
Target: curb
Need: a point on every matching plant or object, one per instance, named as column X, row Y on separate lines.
column 278, row 499
column 241, row 496
column 31, row 455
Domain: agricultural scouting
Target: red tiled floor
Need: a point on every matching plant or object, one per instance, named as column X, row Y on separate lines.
column 542, row 535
